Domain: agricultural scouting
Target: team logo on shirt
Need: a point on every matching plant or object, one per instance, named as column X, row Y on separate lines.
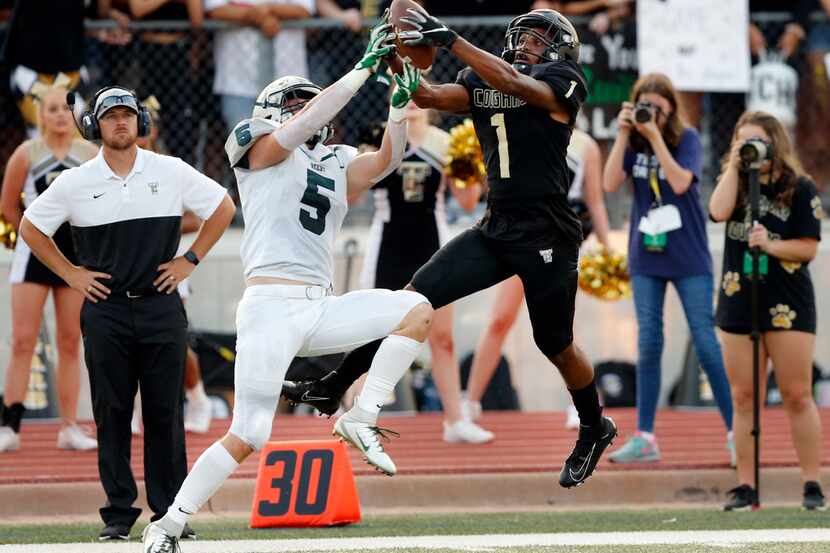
column 731, row 283
column 547, row 255
column 815, row 203
column 790, row 266
column 782, row 316
column 154, row 187
column 414, row 174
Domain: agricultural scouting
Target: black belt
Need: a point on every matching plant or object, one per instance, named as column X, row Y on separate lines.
column 136, row 293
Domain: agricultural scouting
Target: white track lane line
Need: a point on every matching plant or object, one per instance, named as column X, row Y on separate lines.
column 714, row 537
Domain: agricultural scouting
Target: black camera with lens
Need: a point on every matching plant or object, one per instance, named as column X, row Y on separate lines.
column 644, row 112
column 754, row 152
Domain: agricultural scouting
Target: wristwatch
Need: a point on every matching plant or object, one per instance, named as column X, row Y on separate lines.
column 192, row 257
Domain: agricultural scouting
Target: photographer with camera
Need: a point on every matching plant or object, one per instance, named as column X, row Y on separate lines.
column 667, row 244
column 787, row 233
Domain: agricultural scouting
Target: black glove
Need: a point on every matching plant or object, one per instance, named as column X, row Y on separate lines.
column 428, row 30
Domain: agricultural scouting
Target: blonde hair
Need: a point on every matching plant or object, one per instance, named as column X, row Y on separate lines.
column 39, row 103
column 784, row 158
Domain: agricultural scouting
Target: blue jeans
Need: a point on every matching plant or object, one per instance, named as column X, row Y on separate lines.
column 696, row 296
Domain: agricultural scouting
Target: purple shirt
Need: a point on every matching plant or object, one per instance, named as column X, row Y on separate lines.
column 687, row 250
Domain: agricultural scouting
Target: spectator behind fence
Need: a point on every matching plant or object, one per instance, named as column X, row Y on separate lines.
column 248, row 58
column 45, row 38
column 769, row 37
column 166, row 71
column 666, row 244
column 787, row 234
column 125, row 208
column 30, row 171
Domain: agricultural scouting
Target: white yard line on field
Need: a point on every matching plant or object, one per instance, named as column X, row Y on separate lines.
column 713, row 537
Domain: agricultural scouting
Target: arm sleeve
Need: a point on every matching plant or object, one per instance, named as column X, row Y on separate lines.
column 807, row 211
column 50, row 209
column 689, row 153
column 200, row 194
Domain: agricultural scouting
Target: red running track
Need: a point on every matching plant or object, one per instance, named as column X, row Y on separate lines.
column 525, row 442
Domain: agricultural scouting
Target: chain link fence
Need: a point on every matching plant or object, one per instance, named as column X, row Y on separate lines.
column 206, row 80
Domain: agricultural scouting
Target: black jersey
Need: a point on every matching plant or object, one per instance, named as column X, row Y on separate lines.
column 408, row 195
column 524, row 147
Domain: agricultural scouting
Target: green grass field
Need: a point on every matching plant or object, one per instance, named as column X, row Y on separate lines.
column 465, row 524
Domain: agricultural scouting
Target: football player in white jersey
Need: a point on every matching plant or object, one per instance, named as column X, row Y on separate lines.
column 294, row 191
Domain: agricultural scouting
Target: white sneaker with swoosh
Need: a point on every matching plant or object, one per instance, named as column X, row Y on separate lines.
column 359, row 428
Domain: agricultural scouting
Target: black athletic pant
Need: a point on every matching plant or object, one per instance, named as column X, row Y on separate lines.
column 131, row 344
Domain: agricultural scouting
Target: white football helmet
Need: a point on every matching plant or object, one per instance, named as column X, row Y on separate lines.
column 270, row 104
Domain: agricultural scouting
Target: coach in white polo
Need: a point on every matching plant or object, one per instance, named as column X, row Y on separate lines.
column 125, row 207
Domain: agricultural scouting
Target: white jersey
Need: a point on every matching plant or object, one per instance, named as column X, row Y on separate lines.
column 293, row 210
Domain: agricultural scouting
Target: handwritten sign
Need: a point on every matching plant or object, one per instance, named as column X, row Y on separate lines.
column 702, row 45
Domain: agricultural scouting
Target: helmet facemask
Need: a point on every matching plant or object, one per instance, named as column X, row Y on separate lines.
column 549, row 27
column 283, row 103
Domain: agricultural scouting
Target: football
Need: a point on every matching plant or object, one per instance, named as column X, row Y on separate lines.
column 419, row 56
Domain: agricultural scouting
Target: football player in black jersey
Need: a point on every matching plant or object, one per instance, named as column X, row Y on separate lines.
column 523, row 106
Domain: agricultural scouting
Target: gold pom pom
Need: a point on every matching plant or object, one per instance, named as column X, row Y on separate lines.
column 8, row 236
column 465, row 163
column 604, row 275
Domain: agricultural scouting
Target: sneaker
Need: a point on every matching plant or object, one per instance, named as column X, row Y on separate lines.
column 572, row 420
column 314, row 393
column 114, row 532
column 590, row 445
column 636, row 450
column 156, row 540
column 77, row 438
column 813, row 498
column 470, row 410
column 188, row 533
column 464, row 431
column 730, row 446
column 9, row 439
column 360, row 429
column 741, row 498
column 198, row 416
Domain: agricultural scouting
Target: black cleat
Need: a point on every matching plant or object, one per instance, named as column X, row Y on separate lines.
column 590, row 445
column 314, row 393
column 741, row 498
column 115, row 532
column 813, row 498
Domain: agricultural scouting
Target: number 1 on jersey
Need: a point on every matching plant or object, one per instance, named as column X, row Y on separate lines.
column 501, row 133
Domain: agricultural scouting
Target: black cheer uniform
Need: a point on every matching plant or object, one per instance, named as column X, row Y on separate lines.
column 786, row 297
column 409, row 223
column 44, row 168
column 529, row 228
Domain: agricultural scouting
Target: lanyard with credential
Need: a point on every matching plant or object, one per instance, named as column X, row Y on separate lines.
column 653, row 181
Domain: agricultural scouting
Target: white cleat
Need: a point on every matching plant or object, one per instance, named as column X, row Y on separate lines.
column 9, row 439
column 156, row 540
column 360, row 429
column 198, row 417
column 467, row 432
column 572, row 420
column 74, row 437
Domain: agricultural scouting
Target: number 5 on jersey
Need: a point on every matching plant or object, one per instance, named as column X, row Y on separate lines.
column 314, row 219
column 504, row 155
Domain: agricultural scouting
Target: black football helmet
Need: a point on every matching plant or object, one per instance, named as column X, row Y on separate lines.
column 549, row 26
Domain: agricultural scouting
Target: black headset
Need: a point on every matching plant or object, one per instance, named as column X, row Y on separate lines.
column 89, row 127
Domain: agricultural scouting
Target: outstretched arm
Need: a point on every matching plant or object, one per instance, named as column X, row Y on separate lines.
column 322, row 108
column 370, row 168
column 429, row 31
column 452, row 98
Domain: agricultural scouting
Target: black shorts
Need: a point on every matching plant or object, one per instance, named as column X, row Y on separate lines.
column 473, row 261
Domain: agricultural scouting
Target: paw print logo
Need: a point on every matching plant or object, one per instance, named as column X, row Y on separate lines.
column 790, row 266
column 815, row 203
column 782, row 316
column 731, row 283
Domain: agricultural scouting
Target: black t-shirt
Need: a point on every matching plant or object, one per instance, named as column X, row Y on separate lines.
column 409, row 193
column 46, row 35
column 787, row 300
column 525, row 153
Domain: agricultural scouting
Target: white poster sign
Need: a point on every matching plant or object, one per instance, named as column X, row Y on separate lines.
column 702, row 45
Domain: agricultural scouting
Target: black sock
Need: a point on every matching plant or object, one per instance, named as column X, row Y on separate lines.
column 586, row 401
column 12, row 414
column 352, row 367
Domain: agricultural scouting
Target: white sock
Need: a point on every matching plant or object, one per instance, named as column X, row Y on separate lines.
column 211, row 470
column 197, row 393
column 395, row 355
column 648, row 436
